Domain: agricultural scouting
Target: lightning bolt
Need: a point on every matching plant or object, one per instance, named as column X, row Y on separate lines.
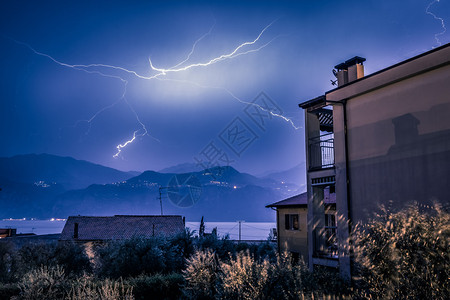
column 441, row 20
column 222, row 57
column 286, row 119
column 161, row 74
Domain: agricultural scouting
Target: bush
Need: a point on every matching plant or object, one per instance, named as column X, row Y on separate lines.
column 285, row 278
column 405, row 255
column 44, row 283
column 32, row 256
column 201, row 275
column 185, row 243
column 243, row 277
column 132, row 257
column 7, row 291
column 72, row 258
column 8, row 262
column 85, row 288
column 159, row 286
column 69, row 256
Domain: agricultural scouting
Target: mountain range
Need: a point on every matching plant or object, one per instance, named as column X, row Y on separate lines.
column 48, row 186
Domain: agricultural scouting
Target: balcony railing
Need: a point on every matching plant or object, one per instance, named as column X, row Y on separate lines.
column 321, row 152
column 325, row 243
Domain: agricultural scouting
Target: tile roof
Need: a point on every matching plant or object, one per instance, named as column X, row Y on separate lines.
column 298, row 200
column 121, row 227
column 302, row 200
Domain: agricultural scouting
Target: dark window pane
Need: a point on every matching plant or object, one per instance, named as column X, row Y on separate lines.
column 295, row 225
column 286, row 221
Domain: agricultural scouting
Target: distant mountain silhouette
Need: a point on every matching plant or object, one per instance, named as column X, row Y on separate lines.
column 295, row 175
column 226, row 195
column 181, row 168
column 45, row 186
column 51, row 169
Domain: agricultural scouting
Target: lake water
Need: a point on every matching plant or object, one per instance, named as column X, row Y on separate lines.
column 249, row 230
column 34, row 226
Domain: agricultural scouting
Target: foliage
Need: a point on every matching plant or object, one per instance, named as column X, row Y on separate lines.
column 325, row 281
column 9, row 290
column 285, row 278
column 43, row 283
column 243, row 277
column 246, row 277
column 87, row 289
column 201, row 230
column 8, row 262
column 201, row 275
column 70, row 256
column 185, row 242
column 405, row 255
column 32, row 256
column 159, row 286
column 132, row 257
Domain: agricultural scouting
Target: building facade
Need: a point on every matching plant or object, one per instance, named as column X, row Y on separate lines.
column 382, row 139
column 292, row 225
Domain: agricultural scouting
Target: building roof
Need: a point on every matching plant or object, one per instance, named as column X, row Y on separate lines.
column 321, row 101
column 421, row 64
column 301, row 200
column 121, row 227
column 298, row 200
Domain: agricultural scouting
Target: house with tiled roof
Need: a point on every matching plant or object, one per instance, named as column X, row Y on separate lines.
column 120, row 227
column 292, row 226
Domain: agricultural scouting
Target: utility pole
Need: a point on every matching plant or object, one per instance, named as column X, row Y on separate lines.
column 160, row 197
column 240, row 221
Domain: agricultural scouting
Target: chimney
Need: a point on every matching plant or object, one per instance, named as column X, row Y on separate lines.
column 75, row 231
column 350, row 70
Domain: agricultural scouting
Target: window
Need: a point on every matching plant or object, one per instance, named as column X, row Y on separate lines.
column 292, row 222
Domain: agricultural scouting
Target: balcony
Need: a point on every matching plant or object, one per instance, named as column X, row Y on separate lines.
column 321, row 152
column 325, row 243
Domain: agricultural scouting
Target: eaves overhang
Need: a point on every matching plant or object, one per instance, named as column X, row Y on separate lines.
column 317, row 102
column 421, row 63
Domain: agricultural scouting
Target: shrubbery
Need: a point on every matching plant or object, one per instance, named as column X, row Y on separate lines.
column 401, row 255
column 201, row 275
column 43, row 283
column 15, row 263
column 87, row 288
column 405, row 255
column 245, row 277
column 158, row 286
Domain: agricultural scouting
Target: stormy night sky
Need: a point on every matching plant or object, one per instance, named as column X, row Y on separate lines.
column 76, row 78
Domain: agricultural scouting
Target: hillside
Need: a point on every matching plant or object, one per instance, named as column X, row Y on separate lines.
column 46, row 186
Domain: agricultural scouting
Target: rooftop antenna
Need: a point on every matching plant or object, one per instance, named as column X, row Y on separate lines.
column 160, row 197
column 334, row 82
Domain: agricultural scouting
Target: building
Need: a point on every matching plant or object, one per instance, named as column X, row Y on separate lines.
column 7, row 232
column 382, row 139
column 292, row 226
column 100, row 229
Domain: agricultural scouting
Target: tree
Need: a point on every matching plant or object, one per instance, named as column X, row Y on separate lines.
column 201, row 231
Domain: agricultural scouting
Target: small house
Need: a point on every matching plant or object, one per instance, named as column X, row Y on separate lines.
column 119, row 227
column 7, row 232
column 292, row 226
